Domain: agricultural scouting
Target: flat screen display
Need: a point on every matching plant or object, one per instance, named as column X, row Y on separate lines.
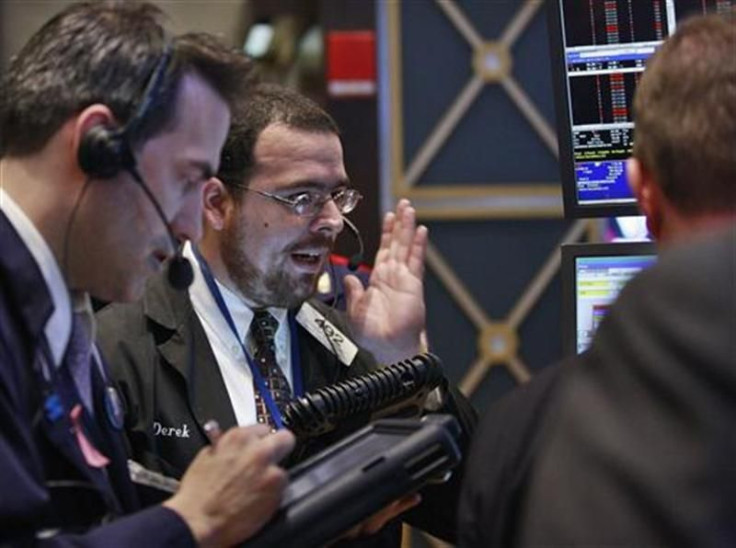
column 599, row 51
column 593, row 275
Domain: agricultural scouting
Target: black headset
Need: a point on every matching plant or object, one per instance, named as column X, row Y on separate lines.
column 104, row 151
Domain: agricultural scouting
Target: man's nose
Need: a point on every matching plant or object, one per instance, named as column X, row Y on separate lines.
column 187, row 223
column 329, row 219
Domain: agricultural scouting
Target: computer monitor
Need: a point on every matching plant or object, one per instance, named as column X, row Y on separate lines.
column 592, row 277
column 599, row 50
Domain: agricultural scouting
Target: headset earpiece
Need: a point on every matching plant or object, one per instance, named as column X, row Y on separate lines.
column 104, row 152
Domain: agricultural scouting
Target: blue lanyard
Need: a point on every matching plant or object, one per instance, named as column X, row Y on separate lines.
column 257, row 377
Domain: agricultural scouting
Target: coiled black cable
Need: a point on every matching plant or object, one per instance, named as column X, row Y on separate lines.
column 399, row 385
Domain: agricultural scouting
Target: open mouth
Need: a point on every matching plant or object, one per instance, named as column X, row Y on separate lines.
column 309, row 259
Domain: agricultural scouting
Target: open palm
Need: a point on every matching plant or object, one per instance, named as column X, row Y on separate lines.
column 388, row 316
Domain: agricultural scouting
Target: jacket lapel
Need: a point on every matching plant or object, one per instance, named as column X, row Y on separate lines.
column 111, row 444
column 185, row 347
column 316, row 362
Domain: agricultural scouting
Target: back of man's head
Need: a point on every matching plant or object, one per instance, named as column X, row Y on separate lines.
column 101, row 52
column 685, row 111
column 262, row 106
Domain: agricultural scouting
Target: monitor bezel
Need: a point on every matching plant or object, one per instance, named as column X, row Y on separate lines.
column 569, row 254
column 573, row 209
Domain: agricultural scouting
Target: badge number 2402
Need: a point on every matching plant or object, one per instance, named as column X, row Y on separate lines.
column 330, row 332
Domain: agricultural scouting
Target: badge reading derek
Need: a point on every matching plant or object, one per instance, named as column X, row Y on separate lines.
column 327, row 334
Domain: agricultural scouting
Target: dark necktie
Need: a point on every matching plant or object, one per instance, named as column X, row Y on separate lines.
column 79, row 359
column 79, row 362
column 263, row 330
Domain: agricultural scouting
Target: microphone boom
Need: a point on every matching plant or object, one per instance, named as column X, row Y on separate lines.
column 179, row 273
column 357, row 258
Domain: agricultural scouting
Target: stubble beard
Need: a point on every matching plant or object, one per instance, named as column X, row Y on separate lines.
column 274, row 288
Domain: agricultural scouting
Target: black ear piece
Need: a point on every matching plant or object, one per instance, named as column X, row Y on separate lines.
column 104, row 152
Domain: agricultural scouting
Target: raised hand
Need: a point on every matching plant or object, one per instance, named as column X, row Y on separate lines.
column 388, row 316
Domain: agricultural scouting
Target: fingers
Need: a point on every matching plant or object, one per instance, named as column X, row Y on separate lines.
column 377, row 521
column 241, row 436
column 401, row 239
column 280, row 444
column 268, row 446
column 407, row 241
column 406, row 503
column 212, row 431
column 418, row 251
column 403, row 231
column 384, row 248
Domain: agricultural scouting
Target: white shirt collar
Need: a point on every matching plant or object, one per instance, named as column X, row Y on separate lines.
column 58, row 327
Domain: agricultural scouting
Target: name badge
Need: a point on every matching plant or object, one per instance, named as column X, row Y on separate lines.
column 327, row 334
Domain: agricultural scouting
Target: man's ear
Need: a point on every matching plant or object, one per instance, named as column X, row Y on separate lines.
column 218, row 203
column 94, row 115
column 647, row 193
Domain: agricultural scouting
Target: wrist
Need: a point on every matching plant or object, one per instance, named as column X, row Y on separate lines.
column 203, row 527
column 393, row 353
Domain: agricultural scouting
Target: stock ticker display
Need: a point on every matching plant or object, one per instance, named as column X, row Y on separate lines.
column 598, row 281
column 606, row 46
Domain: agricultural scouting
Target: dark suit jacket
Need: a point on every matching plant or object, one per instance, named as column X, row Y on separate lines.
column 38, row 452
column 641, row 449
column 501, row 457
column 168, row 375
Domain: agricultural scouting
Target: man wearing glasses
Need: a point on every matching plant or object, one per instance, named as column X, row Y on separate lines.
column 248, row 335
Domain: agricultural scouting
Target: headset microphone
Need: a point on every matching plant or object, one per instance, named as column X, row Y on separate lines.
column 179, row 270
column 180, row 274
column 357, row 259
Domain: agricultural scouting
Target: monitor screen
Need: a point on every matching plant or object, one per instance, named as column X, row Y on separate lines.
column 592, row 277
column 599, row 50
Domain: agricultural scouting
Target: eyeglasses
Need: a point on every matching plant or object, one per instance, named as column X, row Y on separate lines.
column 309, row 202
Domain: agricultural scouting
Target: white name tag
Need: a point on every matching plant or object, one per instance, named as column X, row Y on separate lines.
column 327, row 334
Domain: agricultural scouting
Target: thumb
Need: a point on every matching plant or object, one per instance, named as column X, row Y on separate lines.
column 354, row 291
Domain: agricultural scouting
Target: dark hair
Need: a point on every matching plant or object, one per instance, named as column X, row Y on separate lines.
column 262, row 106
column 685, row 110
column 99, row 52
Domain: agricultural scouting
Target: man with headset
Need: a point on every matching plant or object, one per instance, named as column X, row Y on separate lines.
column 271, row 219
column 106, row 136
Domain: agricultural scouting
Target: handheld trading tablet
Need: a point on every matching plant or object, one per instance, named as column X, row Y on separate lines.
column 351, row 480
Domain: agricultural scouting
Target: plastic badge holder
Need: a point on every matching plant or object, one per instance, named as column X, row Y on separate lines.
column 351, row 480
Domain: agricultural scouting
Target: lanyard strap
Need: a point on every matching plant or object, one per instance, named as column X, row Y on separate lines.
column 257, row 377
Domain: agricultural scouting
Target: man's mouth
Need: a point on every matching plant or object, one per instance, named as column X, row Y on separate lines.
column 309, row 259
